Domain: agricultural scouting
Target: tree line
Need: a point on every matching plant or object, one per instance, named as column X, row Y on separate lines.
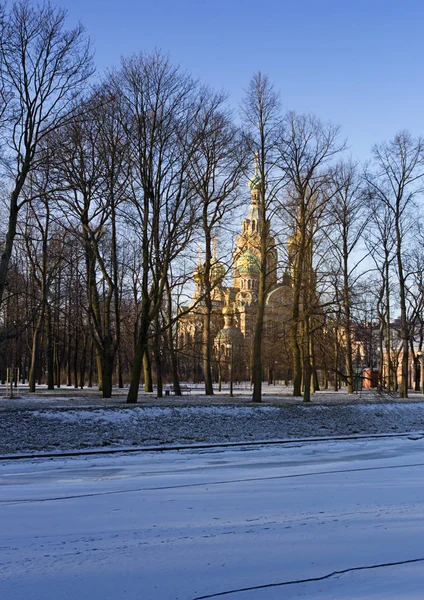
column 110, row 184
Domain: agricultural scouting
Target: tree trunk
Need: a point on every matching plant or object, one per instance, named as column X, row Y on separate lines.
column 298, row 269
column 99, row 364
column 159, row 378
column 260, row 309
column 141, row 351
column 347, row 326
column 404, row 323
column 307, row 375
column 50, row 356
column 107, row 373
column 207, row 354
column 147, row 367
column 34, row 351
column 388, row 329
column 56, row 366
column 75, row 362
column 171, row 345
column 69, row 355
column 336, row 360
column 83, row 362
column 158, row 358
column 11, row 228
column 90, row 367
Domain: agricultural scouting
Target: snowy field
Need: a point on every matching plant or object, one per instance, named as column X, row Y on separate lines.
column 45, row 425
column 339, row 520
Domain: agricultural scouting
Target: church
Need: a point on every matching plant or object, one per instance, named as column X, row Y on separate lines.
column 234, row 307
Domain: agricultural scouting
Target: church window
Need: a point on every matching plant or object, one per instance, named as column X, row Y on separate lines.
column 248, row 284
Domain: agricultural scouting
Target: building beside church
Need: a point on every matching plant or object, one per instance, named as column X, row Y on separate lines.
column 234, row 307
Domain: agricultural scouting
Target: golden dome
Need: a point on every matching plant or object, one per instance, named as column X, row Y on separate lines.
column 217, row 272
column 198, row 274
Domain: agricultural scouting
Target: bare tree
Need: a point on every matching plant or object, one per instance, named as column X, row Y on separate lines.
column 91, row 193
column 349, row 222
column 395, row 183
column 261, row 113
column 216, row 168
column 305, row 149
column 43, row 244
column 43, row 68
column 159, row 105
column 381, row 243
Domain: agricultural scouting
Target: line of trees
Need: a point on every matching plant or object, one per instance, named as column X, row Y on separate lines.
column 109, row 186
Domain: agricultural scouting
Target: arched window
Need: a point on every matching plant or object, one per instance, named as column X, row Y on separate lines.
column 248, row 284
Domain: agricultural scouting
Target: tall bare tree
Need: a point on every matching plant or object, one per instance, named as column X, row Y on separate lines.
column 381, row 244
column 349, row 221
column 159, row 105
column 43, row 69
column 89, row 198
column 305, row 150
column 395, row 183
column 261, row 112
column 216, row 168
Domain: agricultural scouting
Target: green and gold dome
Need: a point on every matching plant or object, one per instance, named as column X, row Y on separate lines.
column 255, row 183
column 218, row 271
column 247, row 263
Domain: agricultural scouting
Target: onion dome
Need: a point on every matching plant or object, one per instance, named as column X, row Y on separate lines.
column 255, row 183
column 230, row 335
column 198, row 274
column 218, row 271
column 248, row 263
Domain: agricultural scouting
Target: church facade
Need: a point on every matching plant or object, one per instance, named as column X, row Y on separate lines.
column 234, row 307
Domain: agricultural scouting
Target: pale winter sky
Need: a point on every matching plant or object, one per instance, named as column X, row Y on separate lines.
column 355, row 63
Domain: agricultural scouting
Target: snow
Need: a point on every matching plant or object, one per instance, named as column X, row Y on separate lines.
column 193, row 524
column 52, row 428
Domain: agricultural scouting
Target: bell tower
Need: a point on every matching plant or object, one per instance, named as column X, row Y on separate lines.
column 247, row 250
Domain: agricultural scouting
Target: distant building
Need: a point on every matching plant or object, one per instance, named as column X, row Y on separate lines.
column 234, row 307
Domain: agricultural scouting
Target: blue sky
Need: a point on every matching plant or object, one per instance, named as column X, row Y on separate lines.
column 357, row 64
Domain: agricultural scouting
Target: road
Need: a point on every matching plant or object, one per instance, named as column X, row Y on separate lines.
column 331, row 519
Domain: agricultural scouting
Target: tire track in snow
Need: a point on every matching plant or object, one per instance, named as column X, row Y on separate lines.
column 204, row 484
column 310, row 579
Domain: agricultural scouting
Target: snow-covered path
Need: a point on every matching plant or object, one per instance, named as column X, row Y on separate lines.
column 265, row 523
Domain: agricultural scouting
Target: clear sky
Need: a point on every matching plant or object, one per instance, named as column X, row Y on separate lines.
column 357, row 63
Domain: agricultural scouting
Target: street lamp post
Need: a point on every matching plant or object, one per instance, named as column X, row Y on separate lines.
column 230, row 366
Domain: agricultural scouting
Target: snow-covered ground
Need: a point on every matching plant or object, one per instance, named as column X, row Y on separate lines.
column 339, row 520
column 36, row 426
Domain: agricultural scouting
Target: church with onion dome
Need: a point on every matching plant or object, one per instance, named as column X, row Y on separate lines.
column 234, row 306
